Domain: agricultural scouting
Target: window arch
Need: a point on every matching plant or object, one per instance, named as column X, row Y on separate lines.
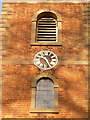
column 44, row 94
column 46, row 28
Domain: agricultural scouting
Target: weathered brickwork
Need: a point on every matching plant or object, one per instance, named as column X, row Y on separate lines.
column 19, row 70
column 72, row 90
column 20, row 28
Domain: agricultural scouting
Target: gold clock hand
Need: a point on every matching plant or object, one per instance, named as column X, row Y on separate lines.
column 47, row 61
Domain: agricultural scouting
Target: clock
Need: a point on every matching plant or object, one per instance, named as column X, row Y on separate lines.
column 45, row 59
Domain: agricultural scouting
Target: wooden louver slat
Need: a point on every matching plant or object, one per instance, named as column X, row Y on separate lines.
column 46, row 29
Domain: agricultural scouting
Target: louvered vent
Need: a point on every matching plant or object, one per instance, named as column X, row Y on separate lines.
column 46, row 29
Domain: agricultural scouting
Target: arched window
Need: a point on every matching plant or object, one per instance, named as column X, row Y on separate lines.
column 46, row 28
column 45, row 94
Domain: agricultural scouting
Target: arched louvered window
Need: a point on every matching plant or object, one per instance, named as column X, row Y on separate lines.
column 47, row 29
column 45, row 94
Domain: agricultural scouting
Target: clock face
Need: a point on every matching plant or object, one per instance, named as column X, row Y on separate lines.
column 45, row 59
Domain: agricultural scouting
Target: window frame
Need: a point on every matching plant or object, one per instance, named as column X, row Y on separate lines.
column 33, row 96
column 34, row 29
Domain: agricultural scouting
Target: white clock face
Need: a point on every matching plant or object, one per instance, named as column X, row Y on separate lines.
column 45, row 59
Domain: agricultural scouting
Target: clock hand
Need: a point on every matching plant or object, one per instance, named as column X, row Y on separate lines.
column 45, row 60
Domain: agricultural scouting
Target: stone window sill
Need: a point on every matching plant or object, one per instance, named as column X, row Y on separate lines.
column 44, row 110
column 46, row 43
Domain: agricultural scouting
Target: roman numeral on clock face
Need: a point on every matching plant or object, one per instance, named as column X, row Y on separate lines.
column 45, row 66
column 40, row 65
column 37, row 61
column 54, row 60
column 46, row 52
column 52, row 56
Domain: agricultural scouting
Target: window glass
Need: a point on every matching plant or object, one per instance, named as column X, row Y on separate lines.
column 45, row 94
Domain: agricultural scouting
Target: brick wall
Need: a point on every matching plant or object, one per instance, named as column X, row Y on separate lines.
column 19, row 70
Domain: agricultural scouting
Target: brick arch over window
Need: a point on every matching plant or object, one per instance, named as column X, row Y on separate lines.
column 34, row 89
column 58, row 22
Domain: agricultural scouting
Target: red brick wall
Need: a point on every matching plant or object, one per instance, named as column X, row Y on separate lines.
column 19, row 70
